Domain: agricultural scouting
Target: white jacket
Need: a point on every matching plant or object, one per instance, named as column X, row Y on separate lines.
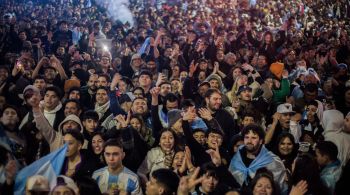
column 333, row 124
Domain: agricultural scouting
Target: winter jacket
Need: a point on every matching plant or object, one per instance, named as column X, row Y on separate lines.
column 333, row 121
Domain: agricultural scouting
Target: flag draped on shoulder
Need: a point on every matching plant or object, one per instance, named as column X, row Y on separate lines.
column 48, row 166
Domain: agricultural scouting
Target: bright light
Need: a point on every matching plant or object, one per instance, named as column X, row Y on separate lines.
column 105, row 48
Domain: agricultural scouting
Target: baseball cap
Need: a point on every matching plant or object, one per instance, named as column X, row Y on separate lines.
column 204, row 83
column 285, row 108
column 243, row 88
column 28, row 92
column 342, row 65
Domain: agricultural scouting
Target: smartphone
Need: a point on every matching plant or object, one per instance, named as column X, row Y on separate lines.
column 165, row 72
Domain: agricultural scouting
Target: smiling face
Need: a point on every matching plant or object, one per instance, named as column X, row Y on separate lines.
column 51, row 100
column 139, row 106
column 135, row 123
column 214, row 140
column 209, row 183
column 167, row 141
column 214, row 101
column 263, row 187
column 101, row 97
column 178, row 159
column 285, row 147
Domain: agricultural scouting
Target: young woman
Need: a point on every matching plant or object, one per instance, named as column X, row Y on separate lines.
column 263, row 183
column 160, row 156
column 286, row 149
column 305, row 168
column 138, row 124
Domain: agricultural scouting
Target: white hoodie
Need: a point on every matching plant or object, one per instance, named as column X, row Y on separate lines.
column 333, row 124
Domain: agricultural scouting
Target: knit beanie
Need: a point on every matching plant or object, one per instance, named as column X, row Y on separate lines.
column 277, row 69
column 173, row 116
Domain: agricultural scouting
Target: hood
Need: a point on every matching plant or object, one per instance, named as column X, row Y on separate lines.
column 332, row 120
column 218, row 78
column 71, row 117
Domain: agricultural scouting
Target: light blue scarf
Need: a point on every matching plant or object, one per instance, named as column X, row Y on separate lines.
column 263, row 159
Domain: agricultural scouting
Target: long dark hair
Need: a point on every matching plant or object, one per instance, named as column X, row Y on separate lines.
column 288, row 159
column 264, row 173
column 306, row 168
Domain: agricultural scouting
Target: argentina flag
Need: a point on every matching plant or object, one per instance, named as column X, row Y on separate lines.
column 48, row 166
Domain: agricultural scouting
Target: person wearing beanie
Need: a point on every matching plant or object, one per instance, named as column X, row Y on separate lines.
column 281, row 89
column 277, row 69
column 131, row 66
column 173, row 117
column 53, row 137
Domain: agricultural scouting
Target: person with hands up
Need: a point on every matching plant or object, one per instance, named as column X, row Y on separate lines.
column 187, row 184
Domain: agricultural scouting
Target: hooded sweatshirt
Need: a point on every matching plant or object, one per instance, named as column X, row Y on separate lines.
column 333, row 121
column 55, row 139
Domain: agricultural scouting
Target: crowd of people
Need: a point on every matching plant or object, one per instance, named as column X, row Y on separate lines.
column 191, row 97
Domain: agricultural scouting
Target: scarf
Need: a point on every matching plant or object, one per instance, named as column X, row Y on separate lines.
column 168, row 158
column 101, row 110
column 263, row 159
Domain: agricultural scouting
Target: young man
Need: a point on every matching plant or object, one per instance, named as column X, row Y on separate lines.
column 213, row 100
column 76, row 161
column 280, row 124
column 90, row 123
column 252, row 156
column 53, row 110
column 102, row 107
column 115, row 177
column 326, row 157
column 72, row 106
column 88, row 92
column 162, row 182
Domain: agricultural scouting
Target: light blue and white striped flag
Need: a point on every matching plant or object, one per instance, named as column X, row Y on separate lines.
column 48, row 166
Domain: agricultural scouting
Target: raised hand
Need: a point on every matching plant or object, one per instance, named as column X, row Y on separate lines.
column 205, row 114
column 189, row 116
column 155, row 92
column 299, row 189
column 215, row 155
column 216, row 67
column 121, row 121
column 192, row 69
column 285, row 74
column 116, row 78
column 276, row 117
column 188, row 159
column 161, row 78
column 187, row 184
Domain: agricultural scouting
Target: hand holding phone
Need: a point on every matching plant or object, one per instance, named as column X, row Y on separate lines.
column 165, row 73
